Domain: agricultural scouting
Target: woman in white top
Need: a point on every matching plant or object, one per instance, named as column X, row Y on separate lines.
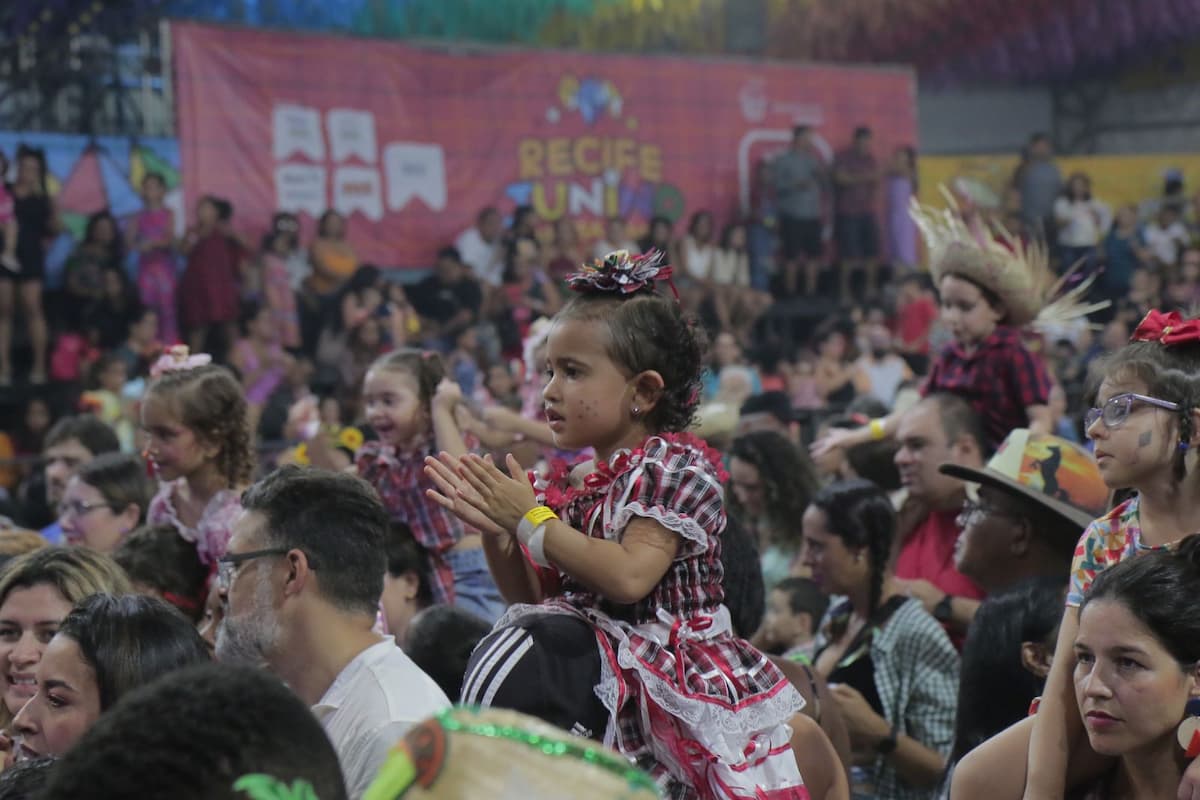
column 1082, row 220
column 697, row 252
column 738, row 306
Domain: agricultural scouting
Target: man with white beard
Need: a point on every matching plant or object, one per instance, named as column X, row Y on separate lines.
column 302, row 579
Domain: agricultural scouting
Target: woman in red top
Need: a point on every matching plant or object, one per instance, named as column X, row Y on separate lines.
column 210, row 286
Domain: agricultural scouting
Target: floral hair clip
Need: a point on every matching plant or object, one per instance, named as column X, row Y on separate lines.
column 177, row 359
column 1167, row 329
column 622, row 273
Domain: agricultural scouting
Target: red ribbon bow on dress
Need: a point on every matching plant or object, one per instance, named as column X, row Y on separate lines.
column 1167, row 329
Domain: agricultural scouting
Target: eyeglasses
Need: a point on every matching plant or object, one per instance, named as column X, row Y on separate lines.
column 973, row 510
column 227, row 565
column 77, row 510
column 1118, row 408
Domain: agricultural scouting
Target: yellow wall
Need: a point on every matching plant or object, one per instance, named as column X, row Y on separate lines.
column 1117, row 180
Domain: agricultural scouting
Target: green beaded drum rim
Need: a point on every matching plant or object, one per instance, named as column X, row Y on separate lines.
column 592, row 754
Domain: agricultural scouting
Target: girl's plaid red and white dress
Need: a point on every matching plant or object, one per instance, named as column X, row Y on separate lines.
column 701, row 710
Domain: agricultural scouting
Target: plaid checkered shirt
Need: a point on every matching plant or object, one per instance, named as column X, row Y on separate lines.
column 916, row 677
column 1000, row 379
column 400, row 481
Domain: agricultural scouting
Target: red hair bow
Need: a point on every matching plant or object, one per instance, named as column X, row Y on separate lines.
column 1167, row 329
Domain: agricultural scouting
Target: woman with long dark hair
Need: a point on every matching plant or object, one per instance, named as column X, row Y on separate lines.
column 525, row 294
column 1082, row 221
column 771, row 481
column 1136, row 681
column 890, row 665
column 37, row 221
column 105, row 648
column 100, row 250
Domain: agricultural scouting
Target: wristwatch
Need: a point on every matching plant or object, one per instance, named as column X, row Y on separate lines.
column 885, row 747
column 944, row 610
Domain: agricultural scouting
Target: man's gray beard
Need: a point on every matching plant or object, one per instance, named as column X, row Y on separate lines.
column 248, row 639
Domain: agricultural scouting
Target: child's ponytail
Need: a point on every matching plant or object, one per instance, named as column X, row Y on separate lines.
column 209, row 401
column 425, row 366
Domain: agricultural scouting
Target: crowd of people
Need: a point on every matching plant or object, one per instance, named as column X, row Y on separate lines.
column 582, row 488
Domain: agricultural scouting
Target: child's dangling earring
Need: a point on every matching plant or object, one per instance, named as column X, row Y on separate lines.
column 1188, row 732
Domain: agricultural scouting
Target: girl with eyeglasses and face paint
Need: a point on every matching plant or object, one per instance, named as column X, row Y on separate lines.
column 1145, row 425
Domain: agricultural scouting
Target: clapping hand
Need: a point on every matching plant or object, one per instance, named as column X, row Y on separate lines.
column 448, row 395
column 475, row 490
column 304, row 419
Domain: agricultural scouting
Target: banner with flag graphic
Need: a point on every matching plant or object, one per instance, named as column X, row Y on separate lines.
column 410, row 143
column 90, row 174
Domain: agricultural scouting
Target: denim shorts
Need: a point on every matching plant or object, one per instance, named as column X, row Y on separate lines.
column 474, row 589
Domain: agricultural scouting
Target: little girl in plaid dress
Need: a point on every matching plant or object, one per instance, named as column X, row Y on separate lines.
column 628, row 547
column 410, row 404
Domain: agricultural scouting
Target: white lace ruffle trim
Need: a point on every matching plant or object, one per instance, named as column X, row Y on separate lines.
column 686, row 527
column 741, row 739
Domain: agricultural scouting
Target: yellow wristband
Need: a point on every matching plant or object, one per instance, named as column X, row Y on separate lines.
column 875, row 426
column 539, row 515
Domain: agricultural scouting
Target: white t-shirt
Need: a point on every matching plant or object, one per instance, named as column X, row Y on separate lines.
column 886, row 376
column 699, row 258
column 370, row 705
column 484, row 259
column 1165, row 243
column 298, row 268
column 1082, row 223
column 731, row 268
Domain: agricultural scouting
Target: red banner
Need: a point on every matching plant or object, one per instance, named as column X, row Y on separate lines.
column 410, row 142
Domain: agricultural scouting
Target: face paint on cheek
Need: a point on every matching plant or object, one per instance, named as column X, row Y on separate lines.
column 1145, row 439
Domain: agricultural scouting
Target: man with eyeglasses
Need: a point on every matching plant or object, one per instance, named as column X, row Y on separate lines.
column 70, row 444
column 1035, row 497
column 302, row 579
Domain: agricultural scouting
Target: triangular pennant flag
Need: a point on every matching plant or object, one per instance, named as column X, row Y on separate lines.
column 122, row 199
column 74, row 223
column 153, row 162
column 83, row 190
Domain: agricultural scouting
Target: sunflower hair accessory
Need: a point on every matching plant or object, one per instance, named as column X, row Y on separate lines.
column 623, row 274
column 178, row 359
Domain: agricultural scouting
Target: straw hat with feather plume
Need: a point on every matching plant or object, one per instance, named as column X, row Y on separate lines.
column 1016, row 271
